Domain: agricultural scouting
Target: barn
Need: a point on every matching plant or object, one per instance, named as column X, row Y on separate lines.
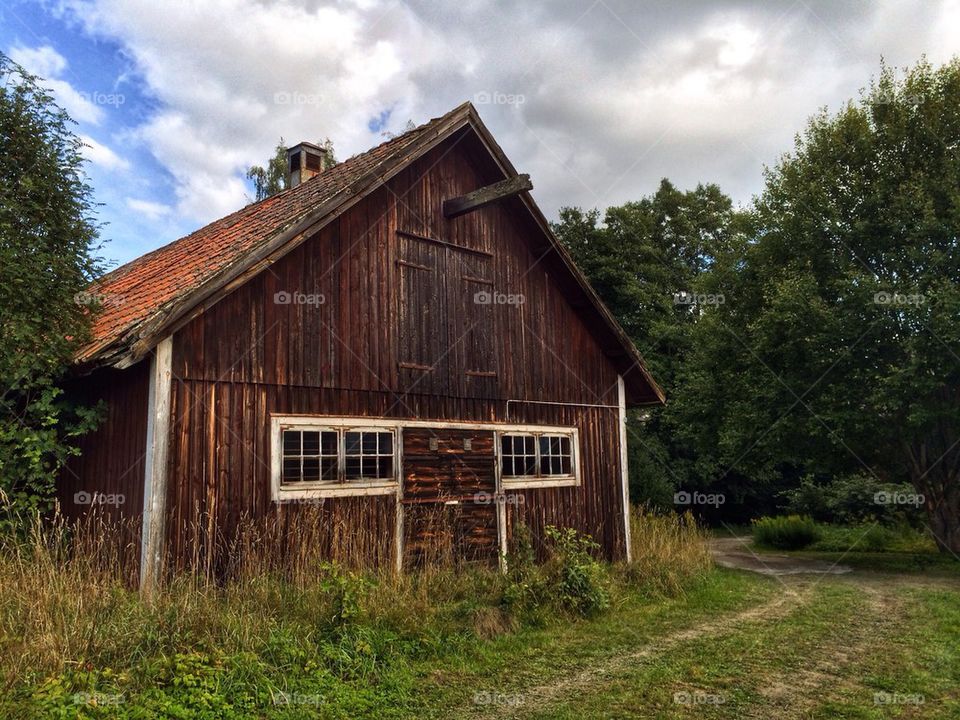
column 394, row 339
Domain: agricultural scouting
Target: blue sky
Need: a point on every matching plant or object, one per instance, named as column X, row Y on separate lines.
column 597, row 100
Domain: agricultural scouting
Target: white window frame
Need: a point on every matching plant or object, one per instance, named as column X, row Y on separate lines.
column 541, row 480
column 325, row 489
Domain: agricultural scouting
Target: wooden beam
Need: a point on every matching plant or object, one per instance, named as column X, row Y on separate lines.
column 153, row 528
column 486, row 195
column 624, row 470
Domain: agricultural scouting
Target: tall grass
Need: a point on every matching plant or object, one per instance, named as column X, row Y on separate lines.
column 667, row 551
column 68, row 604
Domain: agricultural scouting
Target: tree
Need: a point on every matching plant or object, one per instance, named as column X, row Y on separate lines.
column 48, row 244
column 273, row 178
column 646, row 261
column 838, row 349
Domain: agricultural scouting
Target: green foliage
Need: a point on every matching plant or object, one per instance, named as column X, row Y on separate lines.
column 571, row 581
column 645, row 260
column 871, row 537
column 47, row 260
column 852, row 499
column 790, row 532
column 836, row 351
column 574, row 577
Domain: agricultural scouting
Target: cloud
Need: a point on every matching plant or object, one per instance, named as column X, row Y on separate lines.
column 615, row 94
column 149, row 209
column 48, row 64
column 99, row 154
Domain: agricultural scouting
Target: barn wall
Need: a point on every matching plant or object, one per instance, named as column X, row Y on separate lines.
column 112, row 458
column 253, row 354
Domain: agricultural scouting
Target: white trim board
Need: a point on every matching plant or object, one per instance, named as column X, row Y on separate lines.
column 152, row 532
column 624, row 473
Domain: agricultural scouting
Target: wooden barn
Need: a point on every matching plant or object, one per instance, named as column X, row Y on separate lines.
column 396, row 338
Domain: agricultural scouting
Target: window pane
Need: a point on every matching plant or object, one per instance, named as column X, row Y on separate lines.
column 565, row 465
column 311, row 443
column 291, row 469
column 369, row 443
column 386, row 467
column 386, row 443
column 311, row 469
column 328, row 443
column 506, row 444
column 291, row 442
column 352, row 443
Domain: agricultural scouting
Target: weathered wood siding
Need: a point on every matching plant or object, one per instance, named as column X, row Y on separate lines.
column 393, row 306
column 112, row 457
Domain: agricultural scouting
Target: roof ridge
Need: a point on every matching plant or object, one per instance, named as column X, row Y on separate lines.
column 121, row 270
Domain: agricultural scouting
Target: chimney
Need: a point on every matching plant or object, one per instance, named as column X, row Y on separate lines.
column 304, row 161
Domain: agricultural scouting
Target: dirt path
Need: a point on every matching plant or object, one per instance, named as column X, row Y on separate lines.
column 737, row 552
column 788, row 694
column 539, row 697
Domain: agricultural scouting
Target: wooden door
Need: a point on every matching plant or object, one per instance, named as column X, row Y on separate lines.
column 449, row 489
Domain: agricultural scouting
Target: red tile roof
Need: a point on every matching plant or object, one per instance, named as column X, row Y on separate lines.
column 142, row 299
column 133, row 293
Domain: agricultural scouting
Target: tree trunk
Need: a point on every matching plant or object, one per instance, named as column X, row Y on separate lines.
column 941, row 490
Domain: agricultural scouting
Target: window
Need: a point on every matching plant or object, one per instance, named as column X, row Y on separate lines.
column 312, row 461
column 539, row 458
column 519, row 455
column 555, row 455
column 309, row 456
column 368, row 455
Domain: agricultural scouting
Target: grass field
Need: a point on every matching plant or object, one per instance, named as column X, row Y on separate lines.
column 678, row 640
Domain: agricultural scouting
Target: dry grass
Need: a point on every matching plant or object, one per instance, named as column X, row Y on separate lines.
column 667, row 551
column 67, row 597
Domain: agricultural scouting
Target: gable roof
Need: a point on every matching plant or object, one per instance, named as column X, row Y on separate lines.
column 152, row 296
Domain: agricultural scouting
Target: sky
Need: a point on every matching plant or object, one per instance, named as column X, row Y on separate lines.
column 597, row 100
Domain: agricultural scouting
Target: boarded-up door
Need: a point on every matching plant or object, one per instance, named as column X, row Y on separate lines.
column 449, row 486
column 447, row 308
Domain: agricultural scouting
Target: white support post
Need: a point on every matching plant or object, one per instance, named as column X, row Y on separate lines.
column 152, row 533
column 624, row 474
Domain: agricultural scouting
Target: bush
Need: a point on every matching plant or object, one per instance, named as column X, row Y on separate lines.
column 850, row 500
column 572, row 580
column 577, row 581
column 792, row 532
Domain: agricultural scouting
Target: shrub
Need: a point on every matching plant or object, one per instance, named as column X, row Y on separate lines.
column 792, row 532
column 574, row 577
column 851, row 499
